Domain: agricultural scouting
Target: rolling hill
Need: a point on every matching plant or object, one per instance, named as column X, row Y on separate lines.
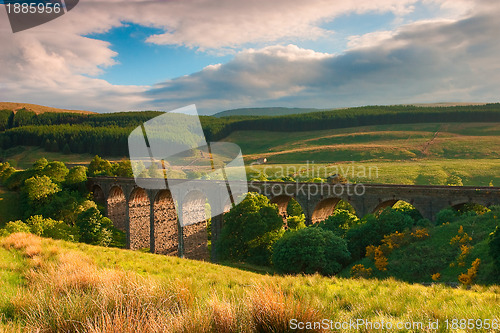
column 37, row 108
column 58, row 286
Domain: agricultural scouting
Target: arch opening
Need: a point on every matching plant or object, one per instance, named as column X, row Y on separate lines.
column 139, row 217
column 98, row 195
column 467, row 207
column 400, row 205
column 328, row 206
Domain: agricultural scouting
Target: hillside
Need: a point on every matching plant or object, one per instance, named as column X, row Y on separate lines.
column 88, row 288
column 37, row 108
column 383, row 142
column 272, row 111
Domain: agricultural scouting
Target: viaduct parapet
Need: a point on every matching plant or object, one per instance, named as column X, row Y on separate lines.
column 150, row 217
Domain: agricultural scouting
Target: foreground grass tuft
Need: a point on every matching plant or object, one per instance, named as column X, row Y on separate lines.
column 67, row 289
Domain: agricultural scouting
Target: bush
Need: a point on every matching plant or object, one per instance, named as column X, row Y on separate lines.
column 446, row 215
column 250, row 230
column 94, row 228
column 14, row 226
column 339, row 222
column 296, row 222
column 494, row 245
column 47, row 227
column 310, row 250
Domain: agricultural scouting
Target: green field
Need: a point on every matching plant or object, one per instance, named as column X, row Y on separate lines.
column 478, row 172
column 77, row 287
column 373, row 143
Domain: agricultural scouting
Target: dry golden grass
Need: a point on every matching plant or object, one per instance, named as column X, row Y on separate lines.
column 66, row 291
column 36, row 108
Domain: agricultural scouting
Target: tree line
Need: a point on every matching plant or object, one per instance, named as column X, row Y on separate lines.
column 107, row 134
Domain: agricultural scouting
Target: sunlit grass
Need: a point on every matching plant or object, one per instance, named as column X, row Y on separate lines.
column 75, row 287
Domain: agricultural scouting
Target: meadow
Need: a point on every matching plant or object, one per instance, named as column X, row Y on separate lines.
column 55, row 286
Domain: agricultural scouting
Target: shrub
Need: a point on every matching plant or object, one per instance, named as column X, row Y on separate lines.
column 250, row 230
column 296, row 222
column 14, row 226
column 359, row 271
column 95, row 228
column 310, row 250
column 446, row 215
column 494, row 245
column 469, row 277
column 339, row 222
column 48, row 227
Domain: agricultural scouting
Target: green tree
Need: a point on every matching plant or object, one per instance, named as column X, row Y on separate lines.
column 39, row 189
column 249, row 231
column 76, row 177
column 293, row 208
column 123, row 169
column 310, row 250
column 296, row 222
column 66, row 149
column 99, row 167
column 95, row 228
column 494, row 246
column 56, row 171
column 339, row 222
column 47, row 227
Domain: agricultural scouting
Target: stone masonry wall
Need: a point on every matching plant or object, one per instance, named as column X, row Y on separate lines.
column 166, row 225
column 139, row 221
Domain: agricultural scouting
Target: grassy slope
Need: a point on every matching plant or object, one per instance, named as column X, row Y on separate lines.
column 385, row 142
column 478, row 172
column 201, row 287
column 35, row 108
column 417, row 261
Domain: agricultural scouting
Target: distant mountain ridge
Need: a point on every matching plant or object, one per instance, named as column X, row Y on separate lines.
column 37, row 108
column 271, row 111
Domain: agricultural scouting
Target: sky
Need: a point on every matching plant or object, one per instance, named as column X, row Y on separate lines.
column 115, row 55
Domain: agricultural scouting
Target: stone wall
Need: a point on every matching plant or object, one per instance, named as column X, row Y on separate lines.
column 166, row 225
column 139, row 220
column 195, row 235
column 196, row 241
column 117, row 209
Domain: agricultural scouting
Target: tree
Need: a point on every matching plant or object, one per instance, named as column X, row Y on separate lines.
column 77, row 177
column 123, row 169
column 250, row 230
column 310, row 250
column 494, row 246
column 99, row 167
column 66, row 150
column 294, row 208
column 94, row 228
column 339, row 222
column 56, row 171
column 296, row 222
column 39, row 189
column 47, row 227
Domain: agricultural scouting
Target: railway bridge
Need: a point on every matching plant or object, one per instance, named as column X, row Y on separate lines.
column 150, row 217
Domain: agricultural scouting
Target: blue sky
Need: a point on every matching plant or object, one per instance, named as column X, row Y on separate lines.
column 109, row 56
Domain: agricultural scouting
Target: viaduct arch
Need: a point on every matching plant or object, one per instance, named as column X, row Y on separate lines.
column 150, row 218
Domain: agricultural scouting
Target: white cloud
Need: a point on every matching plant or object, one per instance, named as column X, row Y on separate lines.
column 454, row 58
column 426, row 61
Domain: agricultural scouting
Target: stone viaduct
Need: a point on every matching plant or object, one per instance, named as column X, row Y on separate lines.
column 149, row 217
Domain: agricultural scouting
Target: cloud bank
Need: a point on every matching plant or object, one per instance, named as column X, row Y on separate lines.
column 453, row 57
